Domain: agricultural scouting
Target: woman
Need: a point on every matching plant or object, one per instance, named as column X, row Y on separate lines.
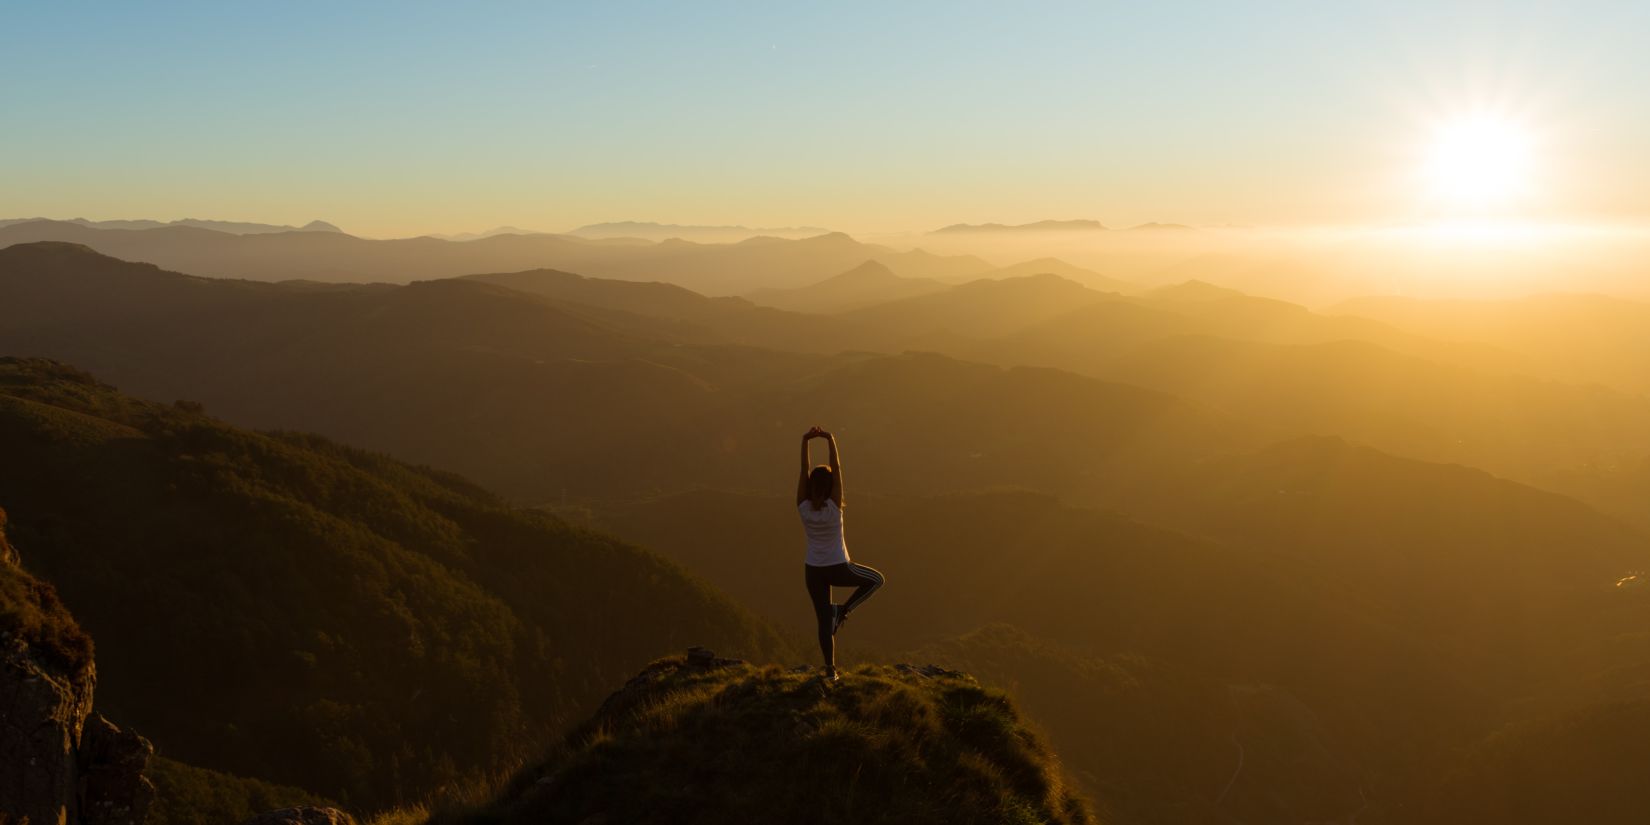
column 819, row 499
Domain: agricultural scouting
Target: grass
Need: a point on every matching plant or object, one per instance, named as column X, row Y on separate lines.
column 187, row 795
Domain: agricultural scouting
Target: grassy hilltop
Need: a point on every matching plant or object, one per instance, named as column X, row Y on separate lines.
column 721, row 740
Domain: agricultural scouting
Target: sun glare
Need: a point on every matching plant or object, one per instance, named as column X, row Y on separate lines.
column 1480, row 163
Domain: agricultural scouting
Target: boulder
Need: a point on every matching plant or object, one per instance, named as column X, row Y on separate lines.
column 113, row 789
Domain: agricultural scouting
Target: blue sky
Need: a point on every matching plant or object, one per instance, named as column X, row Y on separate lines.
column 403, row 118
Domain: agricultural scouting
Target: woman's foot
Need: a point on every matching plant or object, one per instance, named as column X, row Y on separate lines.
column 829, row 675
column 838, row 616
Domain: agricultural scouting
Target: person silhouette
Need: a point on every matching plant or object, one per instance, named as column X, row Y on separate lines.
column 827, row 565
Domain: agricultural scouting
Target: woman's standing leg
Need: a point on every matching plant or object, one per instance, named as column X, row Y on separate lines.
column 819, row 592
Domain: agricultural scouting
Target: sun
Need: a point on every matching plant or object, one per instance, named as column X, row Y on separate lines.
column 1480, row 163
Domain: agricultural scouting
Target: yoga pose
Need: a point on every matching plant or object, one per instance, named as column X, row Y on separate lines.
column 819, row 500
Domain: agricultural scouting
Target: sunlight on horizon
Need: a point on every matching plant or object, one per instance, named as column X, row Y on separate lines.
column 1481, row 162
column 1479, row 165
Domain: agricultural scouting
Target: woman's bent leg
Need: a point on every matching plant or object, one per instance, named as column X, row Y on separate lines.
column 865, row 581
column 819, row 592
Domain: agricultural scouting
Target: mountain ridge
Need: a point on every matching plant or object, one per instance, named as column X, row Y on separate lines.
column 1036, row 226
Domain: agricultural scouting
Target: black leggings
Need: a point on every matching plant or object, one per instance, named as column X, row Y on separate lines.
column 864, row 580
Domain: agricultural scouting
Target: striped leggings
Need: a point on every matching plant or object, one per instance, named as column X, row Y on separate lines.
column 864, row 580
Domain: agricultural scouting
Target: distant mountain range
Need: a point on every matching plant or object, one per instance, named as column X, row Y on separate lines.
column 707, row 268
column 232, row 227
column 648, row 230
column 1043, row 226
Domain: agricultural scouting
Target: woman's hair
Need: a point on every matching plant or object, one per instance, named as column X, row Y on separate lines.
column 820, row 483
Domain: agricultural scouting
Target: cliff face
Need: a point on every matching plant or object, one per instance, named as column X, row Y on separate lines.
column 60, row 763
column 702, row 739
column 42, row 715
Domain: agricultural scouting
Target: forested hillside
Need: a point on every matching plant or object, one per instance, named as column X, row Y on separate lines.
column 281, row 606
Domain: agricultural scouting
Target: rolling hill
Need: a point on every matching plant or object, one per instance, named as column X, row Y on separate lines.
column 279, row 606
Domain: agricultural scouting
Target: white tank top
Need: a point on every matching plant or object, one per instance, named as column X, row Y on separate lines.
column 824, row 530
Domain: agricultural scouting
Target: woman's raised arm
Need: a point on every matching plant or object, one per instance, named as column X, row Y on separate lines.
column 802, row 478
column 836, row 471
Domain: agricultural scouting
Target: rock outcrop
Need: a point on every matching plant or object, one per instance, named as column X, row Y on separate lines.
column 60, row 764
column 42, row 712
